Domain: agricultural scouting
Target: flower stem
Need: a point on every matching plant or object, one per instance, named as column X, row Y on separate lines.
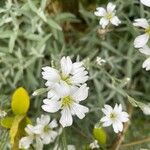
column 64, row 140
column 136, row 142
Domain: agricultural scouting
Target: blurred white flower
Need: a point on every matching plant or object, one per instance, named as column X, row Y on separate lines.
column 146, row 50
column 67, row 99
column 94, row 144
column 100, row 61
column 69, row 147
column 145, row 2
column 70, row 73
column 2, row 113
column 33, row 133
column 141, row 40
column 40, row 134
column 48, row 135
column 107, row 15
column 114, row 117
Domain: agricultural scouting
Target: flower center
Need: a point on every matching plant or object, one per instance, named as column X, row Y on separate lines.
column 147, row 30
column 66, row 101
column 65, row 78
column 113, row 116
column 109, row 16
column 47, row 128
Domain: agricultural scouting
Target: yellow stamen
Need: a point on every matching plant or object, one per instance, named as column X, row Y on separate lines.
column 113, row 116
column 109, row 16
column 147, row 30
column 66, row 101
column 65, row 78
column 46, row 128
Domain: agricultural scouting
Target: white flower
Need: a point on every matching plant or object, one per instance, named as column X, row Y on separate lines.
column 40, row 134
column 108, row 15
column 100, row 61
column 141, row 40
column 114, row 117
column 71, row 73
column 146, row 50
column 146, row 2
column 67, row 100
column 33, row 134
column 48, row 135
column 94, row 144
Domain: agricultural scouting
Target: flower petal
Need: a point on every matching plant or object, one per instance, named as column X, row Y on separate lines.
column 49, row 137
column 141, row 22
column 66, row 65
column 107, row 123
column 51, row 105
column 115, row 127
column 110, row 7
column 43, row 120
column 141, row 40
column 39, row 144
column 100, row 12
column 62, row 89
column 115, row 21
column 146, row 64
column 50, row 74
column 104, row 119
column 25, row 142
column 66, row 117
column 79, row 110
column 81, row 93
column 53, row 124
column 145, row 50
column 52, row 95
column 103, row 22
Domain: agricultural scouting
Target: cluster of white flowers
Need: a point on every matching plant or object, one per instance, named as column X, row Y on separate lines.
column 67, row 89
column 141, row 41
column 42, row 133
column 107, row 15
column 114, row 117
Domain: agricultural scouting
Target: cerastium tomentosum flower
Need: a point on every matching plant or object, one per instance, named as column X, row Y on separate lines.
column 142, row 40
column 67, row 100
column 42, row 133
column 107, row 15
column 67, row 89
column 114, row 117
column 73, row 74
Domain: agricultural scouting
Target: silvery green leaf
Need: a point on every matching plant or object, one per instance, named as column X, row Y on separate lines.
column 41, row 14
column 40, row 91
column 43, row 4
column 2, row 10
column 5, row 34
column 132, row 101
column 12, row 42
column 53, row 24
column 43, row 41
column 32, row 6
